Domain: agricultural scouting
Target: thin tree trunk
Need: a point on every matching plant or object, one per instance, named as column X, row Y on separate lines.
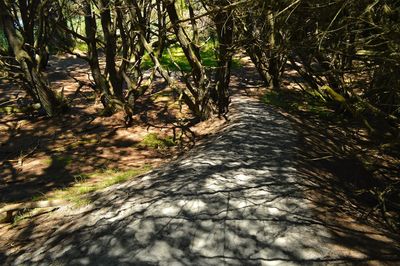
column 102, row 87
column 110, row 40
column 224, row 25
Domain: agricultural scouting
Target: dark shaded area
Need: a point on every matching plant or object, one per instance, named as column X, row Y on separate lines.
column 69, row 144
column 349, row 166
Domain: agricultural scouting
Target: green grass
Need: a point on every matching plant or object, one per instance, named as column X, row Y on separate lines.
column 81, row 46
column 87, row 183
column 154, row 141
column 21, row 215
column 14, row 109
column 279, row 100
column 59, row 161
column 287, row 101
column 174, row 58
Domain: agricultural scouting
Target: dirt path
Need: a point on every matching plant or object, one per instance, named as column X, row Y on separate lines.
column 234, row 200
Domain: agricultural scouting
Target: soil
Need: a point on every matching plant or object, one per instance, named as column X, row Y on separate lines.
column 40, row 154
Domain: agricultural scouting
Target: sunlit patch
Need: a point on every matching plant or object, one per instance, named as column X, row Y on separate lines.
column 196, row 205
column 144, row 230
column 242, row 177
column 170, row 210
column 282, row 241
column 213, row 183
column 161, row 250
column 274, row 211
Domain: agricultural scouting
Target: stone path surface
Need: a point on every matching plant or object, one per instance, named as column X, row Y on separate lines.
column 233, row 200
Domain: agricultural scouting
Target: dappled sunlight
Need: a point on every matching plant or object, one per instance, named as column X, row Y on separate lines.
column 220, row 203
column 165, row 132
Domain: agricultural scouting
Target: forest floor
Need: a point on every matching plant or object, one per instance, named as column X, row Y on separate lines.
column 70, row 155
column 269, row 186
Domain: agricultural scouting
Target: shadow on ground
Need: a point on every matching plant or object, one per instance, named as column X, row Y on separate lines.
column 236, row 199
column 39, row 155
column 54, row 153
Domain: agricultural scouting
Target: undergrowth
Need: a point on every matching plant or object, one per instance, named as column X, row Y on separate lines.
column 293, row 102
column 370, row 179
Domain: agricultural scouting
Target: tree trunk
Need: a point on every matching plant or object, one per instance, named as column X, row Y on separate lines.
column 102, row 88
column 110, row 40
column 199, row 75
column 224, row 25
column 34, row 79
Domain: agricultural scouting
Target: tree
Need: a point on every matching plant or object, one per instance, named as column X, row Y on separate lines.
column 27, row 42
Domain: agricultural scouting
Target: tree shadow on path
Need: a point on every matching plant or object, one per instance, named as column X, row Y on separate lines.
column 236, row 199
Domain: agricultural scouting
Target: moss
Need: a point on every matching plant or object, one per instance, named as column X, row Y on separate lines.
column 333, row 94
column 3, row 40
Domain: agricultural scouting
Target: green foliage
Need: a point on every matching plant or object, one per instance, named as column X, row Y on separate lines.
column 81, row 46
column 21, row 215
column 174, row 58
column 154, row 141
column 3, row 40
column 15, row 109
column 7, row 110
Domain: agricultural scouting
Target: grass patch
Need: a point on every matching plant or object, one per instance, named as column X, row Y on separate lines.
column 81, row 46
column 21, row 215
column 88, row 183
column 154, row 141
column 59, row 161
column 299, row 102
column 175, row 54
column 278, row 99
column 13, row 109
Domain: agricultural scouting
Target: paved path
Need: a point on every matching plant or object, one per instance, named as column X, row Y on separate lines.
column 234, row 200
